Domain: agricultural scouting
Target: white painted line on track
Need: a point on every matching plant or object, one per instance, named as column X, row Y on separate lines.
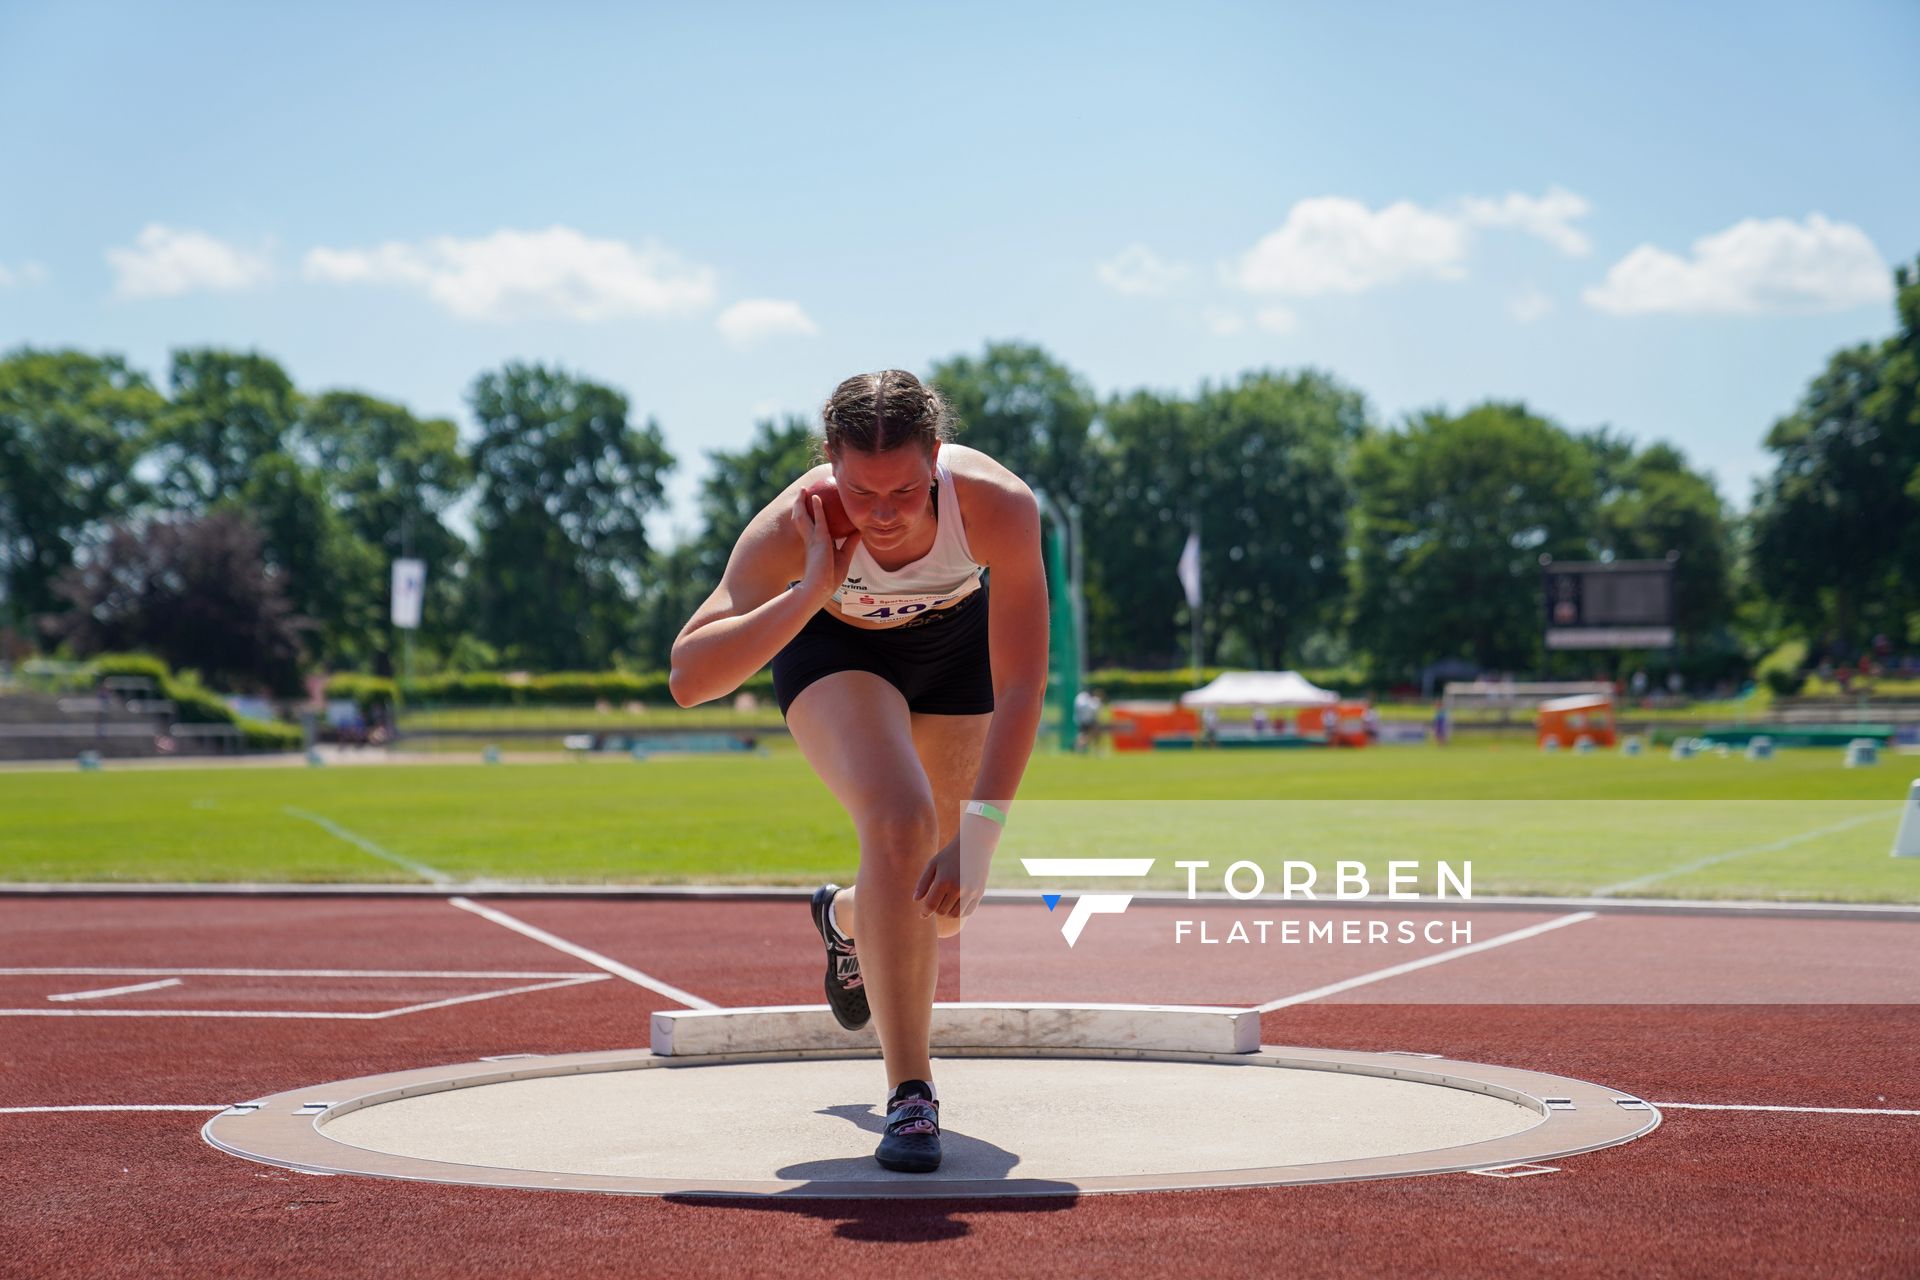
column 290, row 973
column 579, row 952
column 1394, row 971
column 571, row 980
column 1816, row 1111
column 105, row 992
column 488, row 995
column 35, row 1111
column 1639, row 882
column 331, row 827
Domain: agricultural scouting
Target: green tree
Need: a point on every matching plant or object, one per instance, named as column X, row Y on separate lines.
column 1274, row 507
column 226, row 412
column 1143, row 496
column 1028, row 410
column 334, row 580
column 1260, row 466
column 1652, row 502
column 1452, row 515
column 564, row 487
column 72, row 426
column 394, row 477
column 1836, row 527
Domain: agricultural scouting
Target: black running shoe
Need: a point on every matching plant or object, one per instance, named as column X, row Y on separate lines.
column 846, row 993
column 912, row 1144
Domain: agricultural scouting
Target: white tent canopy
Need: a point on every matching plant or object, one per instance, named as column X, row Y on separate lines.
column 1260, row 689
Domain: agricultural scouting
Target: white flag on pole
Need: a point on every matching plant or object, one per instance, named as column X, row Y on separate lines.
column 1190, row 569
column 409, row 588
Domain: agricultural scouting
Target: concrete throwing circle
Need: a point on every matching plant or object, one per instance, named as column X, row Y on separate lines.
column 1017, row 1122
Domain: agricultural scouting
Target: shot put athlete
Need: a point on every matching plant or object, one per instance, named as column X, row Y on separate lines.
column 864, row 585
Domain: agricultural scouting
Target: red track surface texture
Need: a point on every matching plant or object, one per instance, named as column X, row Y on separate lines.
column 1737, row 1192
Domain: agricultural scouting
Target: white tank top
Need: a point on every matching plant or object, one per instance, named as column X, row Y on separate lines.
column 947, row 572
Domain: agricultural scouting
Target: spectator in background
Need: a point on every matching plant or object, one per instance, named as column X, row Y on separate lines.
column 1259, row 722
column 1086, row 718
column 1210, row 725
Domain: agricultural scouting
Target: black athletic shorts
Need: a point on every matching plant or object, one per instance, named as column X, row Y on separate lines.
column 939, row 664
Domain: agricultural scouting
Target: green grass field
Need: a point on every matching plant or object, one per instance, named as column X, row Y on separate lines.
column 1798, row 827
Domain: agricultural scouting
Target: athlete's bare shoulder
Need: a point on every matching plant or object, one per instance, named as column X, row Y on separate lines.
column 996, row 506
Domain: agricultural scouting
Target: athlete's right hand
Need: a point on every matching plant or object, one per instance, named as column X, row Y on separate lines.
column 826, row 565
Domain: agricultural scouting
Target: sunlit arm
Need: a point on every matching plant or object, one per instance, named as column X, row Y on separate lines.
column 718, row 651
column 1017, row 636
column 749, row 617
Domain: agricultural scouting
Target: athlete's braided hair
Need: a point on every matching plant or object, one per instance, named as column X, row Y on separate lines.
column 875, row 412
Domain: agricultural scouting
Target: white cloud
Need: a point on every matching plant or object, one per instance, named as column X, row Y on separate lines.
column 1138, row 272
column 1222, row 323
column 748, row 321
column 1530, row 306
column 166, row 262
column 26, row 274
column 1276, row 320
column 1331, row 244
column 1550, row 217
column 1754, row 267
column 510, row 274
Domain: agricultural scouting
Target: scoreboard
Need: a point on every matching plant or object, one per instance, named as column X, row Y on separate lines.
column 1609, row 604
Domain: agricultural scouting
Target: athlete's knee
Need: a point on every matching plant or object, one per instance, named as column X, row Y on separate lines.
column 900, row 829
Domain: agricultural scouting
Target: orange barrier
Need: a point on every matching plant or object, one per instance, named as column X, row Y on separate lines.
column 1136, row 724
column 1564, row 721
column 1343, row 724
column 1350, row 725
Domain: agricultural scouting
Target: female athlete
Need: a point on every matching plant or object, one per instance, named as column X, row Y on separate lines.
column 915, row 702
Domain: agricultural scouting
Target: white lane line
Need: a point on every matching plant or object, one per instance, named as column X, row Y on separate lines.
column 104, row 992
column 183, row 1013
column 1817, row 1111
column 571, row 980
column 1699, row 863
column 35, row 1111
column 489, row 995
column 579, row 952
column 331, row 827
column 290, row 973
column 1380, row 975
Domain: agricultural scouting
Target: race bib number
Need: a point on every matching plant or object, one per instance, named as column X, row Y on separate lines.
column 895, row 608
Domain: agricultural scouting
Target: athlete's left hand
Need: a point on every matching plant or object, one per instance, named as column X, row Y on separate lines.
column 956, row 877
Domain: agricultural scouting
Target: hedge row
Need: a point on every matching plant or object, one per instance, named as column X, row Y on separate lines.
column 193, row 702
column 588, row 688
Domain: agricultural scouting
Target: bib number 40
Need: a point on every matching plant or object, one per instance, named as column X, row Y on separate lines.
column 905, row 610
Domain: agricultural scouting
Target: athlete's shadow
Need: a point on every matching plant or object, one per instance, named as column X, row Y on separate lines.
column 893, row 1214
column 960, row 1155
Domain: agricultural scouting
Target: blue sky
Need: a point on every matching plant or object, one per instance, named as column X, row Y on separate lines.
column 1656, row 217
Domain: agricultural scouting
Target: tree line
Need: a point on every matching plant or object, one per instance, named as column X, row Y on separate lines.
column 232, row 523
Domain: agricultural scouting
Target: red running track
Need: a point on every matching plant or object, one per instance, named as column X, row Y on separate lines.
column 1708, row 1193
